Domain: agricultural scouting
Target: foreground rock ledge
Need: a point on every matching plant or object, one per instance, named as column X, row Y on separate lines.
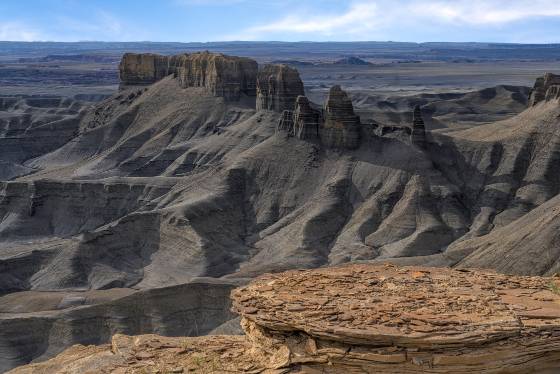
column 358, row 319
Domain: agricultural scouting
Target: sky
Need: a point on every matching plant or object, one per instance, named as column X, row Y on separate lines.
column 516, row 21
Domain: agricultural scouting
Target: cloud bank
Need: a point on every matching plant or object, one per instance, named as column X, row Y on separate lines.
column 361, row 19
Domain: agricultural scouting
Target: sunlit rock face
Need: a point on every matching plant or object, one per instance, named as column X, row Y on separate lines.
column 341, row 128
column 360, row 318
column 223, row 76
column 546, row 88
column 303, row 122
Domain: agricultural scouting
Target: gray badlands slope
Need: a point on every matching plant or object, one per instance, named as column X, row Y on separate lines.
column 121, row 217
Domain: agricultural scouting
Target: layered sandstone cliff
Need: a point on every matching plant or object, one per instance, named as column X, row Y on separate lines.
column 278, row 86
column 303, row 122
column 546, row 88
column 341, row 128
column 223, row 76
column 358, row 319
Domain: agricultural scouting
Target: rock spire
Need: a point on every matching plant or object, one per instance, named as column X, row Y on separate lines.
column 341, row 128
column 303, row 122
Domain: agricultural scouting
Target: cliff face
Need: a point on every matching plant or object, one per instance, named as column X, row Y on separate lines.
column 144, row 68
column 546, row 88
column 358, row 319
column 223, row 76
column 278, row 86
column 303, row 122
column 341, row 128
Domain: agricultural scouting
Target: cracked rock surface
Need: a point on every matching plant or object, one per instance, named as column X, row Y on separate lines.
column 360, row 318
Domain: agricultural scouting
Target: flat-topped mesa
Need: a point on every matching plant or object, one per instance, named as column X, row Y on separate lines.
column 546, row 88
column 278, row 86
column 418, row 133
column 223, row 76
column 341, row 127
column 303, row 122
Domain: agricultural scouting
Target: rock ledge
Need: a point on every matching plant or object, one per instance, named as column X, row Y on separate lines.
column 359, row 319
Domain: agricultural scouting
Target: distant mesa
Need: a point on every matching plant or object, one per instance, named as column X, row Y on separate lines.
column 293, row 62
column 546, row 88
column 275, row 87
column 351, row 60
column 224, row 76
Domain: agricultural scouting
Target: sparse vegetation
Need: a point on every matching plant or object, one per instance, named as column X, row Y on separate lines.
column 554, row 286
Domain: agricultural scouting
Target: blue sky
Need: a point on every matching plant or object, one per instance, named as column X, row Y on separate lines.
column 519, row 21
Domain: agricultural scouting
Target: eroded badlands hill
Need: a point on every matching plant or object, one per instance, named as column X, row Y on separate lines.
column 204, row 166
column 358, row 319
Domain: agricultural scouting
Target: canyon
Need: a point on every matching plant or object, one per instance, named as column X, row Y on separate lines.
column 140, row 213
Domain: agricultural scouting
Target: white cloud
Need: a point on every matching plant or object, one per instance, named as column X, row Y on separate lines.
column 489, row 12
column 362, row 18
column 17, row 31
column 357, row 18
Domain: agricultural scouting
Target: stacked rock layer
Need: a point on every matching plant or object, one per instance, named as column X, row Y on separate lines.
column 223, row 76
column 303, row 122
column 341, row 128
column 385, row 319
column 358, row 319
column 546, row 88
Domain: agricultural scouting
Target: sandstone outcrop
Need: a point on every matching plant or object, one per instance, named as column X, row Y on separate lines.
column 223, row 76
column 359, row 319
column 386, row 319
column 306, row 119
column 341, row 128
column 546, row 88
column 418, row 134
column 303, row 122
column 144, row 68
column 278, row 86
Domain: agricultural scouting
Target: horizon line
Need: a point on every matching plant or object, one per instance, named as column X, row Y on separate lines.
column 277, row 41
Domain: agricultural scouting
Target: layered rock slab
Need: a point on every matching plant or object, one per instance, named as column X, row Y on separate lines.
column 360, row 318
column 386, row 319
column 156, row 354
